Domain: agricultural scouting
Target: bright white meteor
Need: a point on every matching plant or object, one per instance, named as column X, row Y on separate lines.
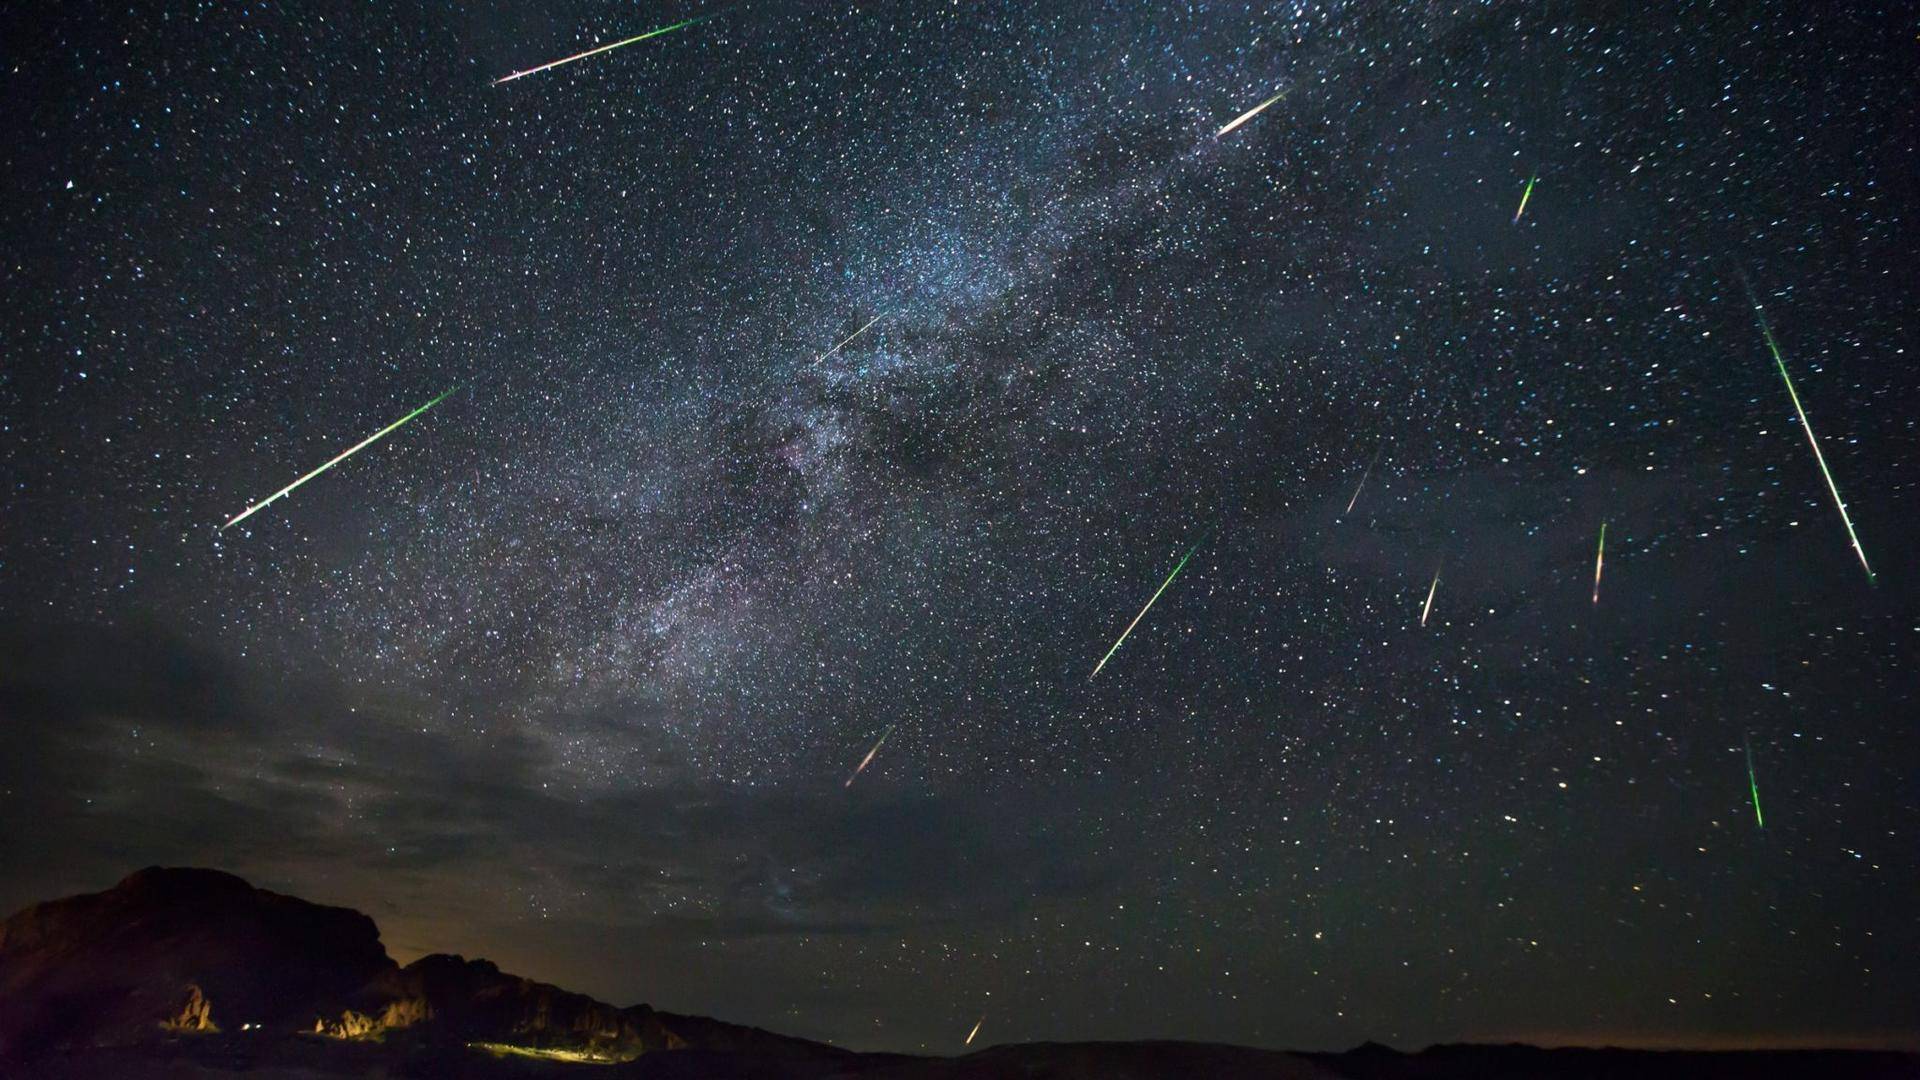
column 1431, row 589
column 1250, row 114
column 1820, row 459
column 605, row 48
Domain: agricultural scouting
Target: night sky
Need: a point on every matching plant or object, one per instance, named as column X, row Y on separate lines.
column 571, row 671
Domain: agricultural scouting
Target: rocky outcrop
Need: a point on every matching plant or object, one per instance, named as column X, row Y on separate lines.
column 190, row 953
column 453, row 998
column 178, row 950
column 195, row 1014
column 401, row 1015
column 193, row 973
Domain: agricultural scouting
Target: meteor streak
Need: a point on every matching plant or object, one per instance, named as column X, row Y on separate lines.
column 1523, row 198
column 822, row 358
column 1143, row 611
column 1431, row 589
column 975, row 1031
column 1363, row 483
column 1250, row 114
column 1780, row 363
column 606, row 48
column 868, row 760
column 357, row 447
column 1599, row 560
column 1752, row 784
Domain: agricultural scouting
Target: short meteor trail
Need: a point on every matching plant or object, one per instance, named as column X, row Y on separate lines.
column 1780, row 363
column 1250, row 114
column 606, row 48
column 1599, row 560
column 975, row 1031
column 1363, row 483
column 822, row 358
column 1143, row 611
column 1752, row 784
column 357, row 447
column 868, row 760
column 1523, row 198
column 1431, row 589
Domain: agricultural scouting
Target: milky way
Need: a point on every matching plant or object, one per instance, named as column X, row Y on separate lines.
column 569, row 674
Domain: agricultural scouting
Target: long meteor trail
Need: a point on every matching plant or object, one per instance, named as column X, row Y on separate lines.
column 868, row 760
column 1143, row 611
column 1431, row 589
column 606, row 48
column 975, row 1031
column 1524, row 196
column 1250, row 114
column 1780, row 363
column 1599, row 561
column 1363, row 483
column 356, row 448
column 823, row 357
column 1753, row 785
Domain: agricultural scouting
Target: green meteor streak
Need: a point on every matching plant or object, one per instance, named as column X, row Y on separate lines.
column 1752, row 784
column 1523, row 198
column 607, row 48
column 1780, row 363
column 357, row 447
column 1143, row 611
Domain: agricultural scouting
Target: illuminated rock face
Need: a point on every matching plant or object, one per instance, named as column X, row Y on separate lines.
column 396, row 1016
column 198, row 953
column 196, row 1014
column 474, row 1001
column 179, row 951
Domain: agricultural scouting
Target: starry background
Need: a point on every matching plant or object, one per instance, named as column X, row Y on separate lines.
column 569, row 672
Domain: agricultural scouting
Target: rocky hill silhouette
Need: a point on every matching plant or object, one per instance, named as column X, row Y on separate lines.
column 180, row 950
column 169, row 953
column 195, row 973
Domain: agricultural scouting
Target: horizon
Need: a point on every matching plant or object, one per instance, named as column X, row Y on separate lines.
column 1772, row 1042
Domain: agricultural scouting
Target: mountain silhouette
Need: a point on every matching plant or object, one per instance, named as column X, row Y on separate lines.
column 196, row 973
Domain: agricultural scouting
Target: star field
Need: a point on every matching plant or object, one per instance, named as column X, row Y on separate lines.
column 569, row 671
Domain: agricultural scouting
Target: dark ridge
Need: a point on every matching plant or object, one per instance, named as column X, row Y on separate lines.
column 195, row 973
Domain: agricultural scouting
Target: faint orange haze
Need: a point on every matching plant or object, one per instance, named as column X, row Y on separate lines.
column 1665, row 1040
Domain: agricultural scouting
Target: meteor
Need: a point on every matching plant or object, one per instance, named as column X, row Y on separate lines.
column 975, row 1031
column 822, row 358
column 1523, row 198
column 1431, row 589
column 1363, row 483
column 1599, row 560
column 357, row 447
column 1250, row 114
column 1780, row 363
column 606, row 48
column 868, row 760
column 1752, row 784
column 1143, row 611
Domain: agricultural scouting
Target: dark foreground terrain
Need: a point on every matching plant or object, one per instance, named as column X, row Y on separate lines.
column 194, row 973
